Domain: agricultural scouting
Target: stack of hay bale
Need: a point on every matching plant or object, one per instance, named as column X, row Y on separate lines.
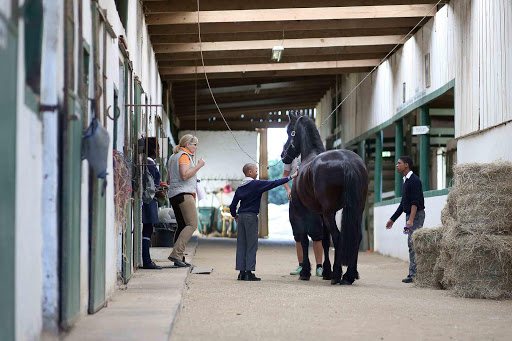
column 473, row 248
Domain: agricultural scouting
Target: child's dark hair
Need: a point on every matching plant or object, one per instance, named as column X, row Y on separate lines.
column 152, row 143
column 248, row 167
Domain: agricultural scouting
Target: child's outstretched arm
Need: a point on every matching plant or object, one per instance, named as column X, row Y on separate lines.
column 267, row 185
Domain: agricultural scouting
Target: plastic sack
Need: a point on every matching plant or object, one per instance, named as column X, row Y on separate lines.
column 201, row 193
column 148, row 185
column 95, row 147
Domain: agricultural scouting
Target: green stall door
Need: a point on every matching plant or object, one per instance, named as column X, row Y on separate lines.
column 97, row 245
column 8, row 86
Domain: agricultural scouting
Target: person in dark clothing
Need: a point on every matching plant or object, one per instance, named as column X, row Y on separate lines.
column 413, row 204
column 249, row 195
column 150, row 211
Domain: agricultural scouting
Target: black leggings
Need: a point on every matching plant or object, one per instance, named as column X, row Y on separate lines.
column 147, row 230
column 175, row 203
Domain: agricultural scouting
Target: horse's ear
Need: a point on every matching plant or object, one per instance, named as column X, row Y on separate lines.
column 293, row 118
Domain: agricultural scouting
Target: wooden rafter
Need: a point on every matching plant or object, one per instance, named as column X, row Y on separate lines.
column 290, row 14
column 278, row 73
column 269, row 67
column 287, row 44
column 278, row 35
column 337, row 24
column 153, row 6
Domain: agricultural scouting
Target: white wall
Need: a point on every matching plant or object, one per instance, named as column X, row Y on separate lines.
column 145, row 67
column 224, row 160
column 468, row 40
column 51, row 85
column 393, row 242
column 380, row 96
column 484, row 65
column 28, row 238
column 488, row 146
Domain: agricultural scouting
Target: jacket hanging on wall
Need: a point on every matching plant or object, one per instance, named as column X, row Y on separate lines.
column 95, row 144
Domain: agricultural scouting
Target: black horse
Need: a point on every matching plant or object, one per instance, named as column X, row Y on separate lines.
column 327, row 182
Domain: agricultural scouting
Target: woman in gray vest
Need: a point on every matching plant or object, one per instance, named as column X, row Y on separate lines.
column 182, row 182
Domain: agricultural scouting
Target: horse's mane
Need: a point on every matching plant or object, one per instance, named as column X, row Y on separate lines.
column 311, row 138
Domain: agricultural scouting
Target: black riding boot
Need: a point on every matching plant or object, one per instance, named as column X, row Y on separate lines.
column 147, row 263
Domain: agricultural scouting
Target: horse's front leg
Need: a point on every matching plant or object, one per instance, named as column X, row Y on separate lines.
column 305, row 273
column 326, row 244
column 337, row 271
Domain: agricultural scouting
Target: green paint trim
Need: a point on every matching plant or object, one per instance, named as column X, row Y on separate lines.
column 115, row 114
column 102, row 13
column 70, row 173
column 426, row 194
column 8, row 123
column 399, row 150
column 377, row 181
column 425, row 149
column 413, row 106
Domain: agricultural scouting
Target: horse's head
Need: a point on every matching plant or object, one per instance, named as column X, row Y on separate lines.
column 291, row 148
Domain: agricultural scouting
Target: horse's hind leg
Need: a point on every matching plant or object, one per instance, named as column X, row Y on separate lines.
column 326, row 244
column 337, row 271
column 351, row 275
column 305, row 273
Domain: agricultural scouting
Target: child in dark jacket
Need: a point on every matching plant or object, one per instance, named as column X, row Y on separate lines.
column 249, row 195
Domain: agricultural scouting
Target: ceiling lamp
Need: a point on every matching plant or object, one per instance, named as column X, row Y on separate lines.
column 276, row 52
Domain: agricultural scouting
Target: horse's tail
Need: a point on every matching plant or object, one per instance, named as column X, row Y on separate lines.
column 356, row 184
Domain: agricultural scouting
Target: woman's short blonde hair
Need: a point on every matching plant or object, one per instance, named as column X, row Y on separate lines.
column 185, row 139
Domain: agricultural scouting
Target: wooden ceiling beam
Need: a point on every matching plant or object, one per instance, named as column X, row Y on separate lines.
column 183, row 91
column 234, row 125
column 265, row 53
column 278, row 73
column 280, row 26
column 269, row 67
column 267, row 95
column 155, row 6
column 266, row 59
column 287, row 100
column 291, row 105
column 201, row 83
column 287, row 44
column 277, row 35
column 290, row 14
column 257, row 115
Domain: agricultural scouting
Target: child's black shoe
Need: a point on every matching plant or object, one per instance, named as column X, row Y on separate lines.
column 249, row 276
column 241, row 276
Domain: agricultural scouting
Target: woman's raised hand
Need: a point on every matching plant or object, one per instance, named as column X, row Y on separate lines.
column 201, row 163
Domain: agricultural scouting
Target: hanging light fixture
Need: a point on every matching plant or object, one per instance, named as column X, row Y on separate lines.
column 277, row 51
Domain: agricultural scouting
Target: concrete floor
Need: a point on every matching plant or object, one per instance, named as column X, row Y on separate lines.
column 144, row 309
column 280, row 307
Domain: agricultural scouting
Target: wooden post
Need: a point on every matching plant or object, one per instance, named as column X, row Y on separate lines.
column 361, row 150
column 425, row 149
column 263, row 172
column 377, row 188
column 399, row 151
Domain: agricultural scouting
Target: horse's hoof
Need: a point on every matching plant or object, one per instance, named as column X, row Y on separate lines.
column 304, row 278
column 345, row 282
column 335, row 281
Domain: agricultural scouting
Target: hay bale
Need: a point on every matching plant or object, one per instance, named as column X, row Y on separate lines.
column 426, row 243
column 477, row 265
column 481, row 200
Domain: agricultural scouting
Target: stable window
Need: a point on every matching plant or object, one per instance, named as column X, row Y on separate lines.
column 33, row 19
column 122, row 9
